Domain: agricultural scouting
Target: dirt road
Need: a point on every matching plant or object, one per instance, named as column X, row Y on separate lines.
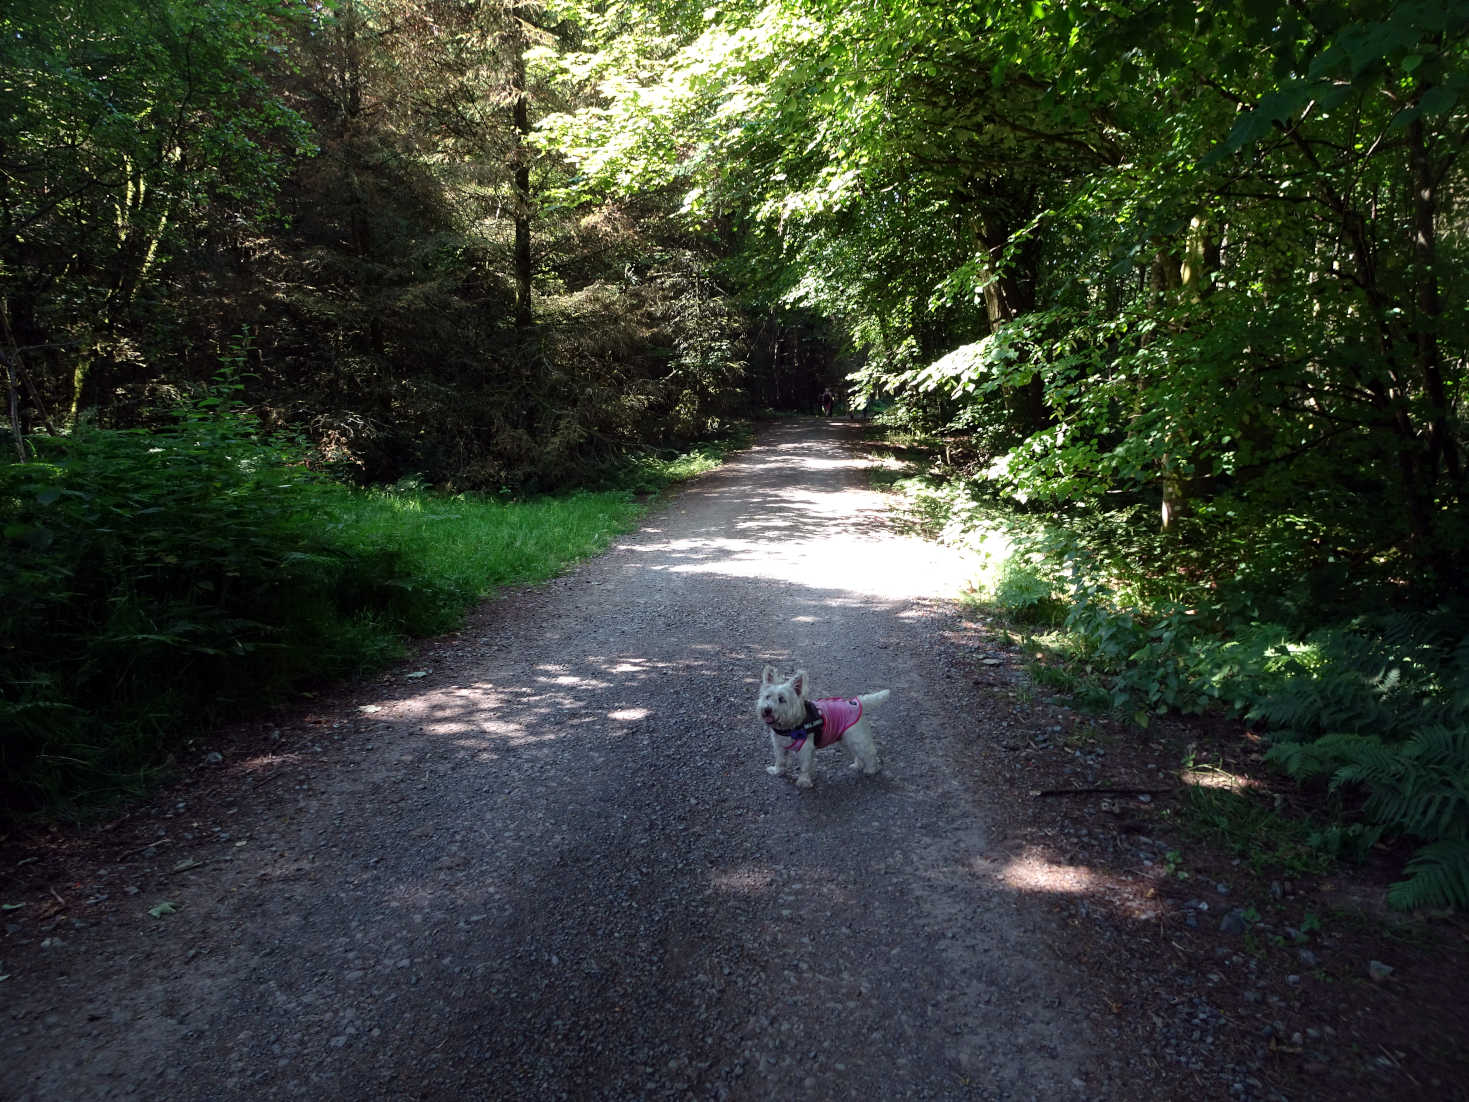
column 545, row 859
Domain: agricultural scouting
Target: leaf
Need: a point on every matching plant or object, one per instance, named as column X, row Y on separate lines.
column 1328, row 59
column 417, row 674
column 1403, row 118
column 1262, row 12
column 164, row 908
column 33, row 536
column 1332, row 95
column 1437, row 101
column 1438, row 876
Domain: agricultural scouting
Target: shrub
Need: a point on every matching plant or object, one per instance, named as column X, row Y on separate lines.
column 158, row 578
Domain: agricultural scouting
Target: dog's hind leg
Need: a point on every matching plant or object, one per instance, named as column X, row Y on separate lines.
column 860, row 745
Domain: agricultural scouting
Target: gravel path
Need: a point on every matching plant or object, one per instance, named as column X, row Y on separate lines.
column 553, row 864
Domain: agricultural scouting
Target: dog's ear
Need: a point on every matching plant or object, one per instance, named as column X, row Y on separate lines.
column 768, row 677
column 798, row 683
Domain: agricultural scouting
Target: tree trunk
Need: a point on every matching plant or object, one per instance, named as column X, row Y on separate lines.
column 1443, row 452
column 10, row 353
column 142, row 215
column 1201, row 257
column 1007, row 297
column 1200, row 260
column 520, row 161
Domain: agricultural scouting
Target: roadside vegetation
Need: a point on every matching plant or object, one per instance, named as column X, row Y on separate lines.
column 158, row 582
column 1366, row 706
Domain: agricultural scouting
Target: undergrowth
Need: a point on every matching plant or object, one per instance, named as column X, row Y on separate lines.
column 1254, row 832
column 1369, row 700
column 159, row 581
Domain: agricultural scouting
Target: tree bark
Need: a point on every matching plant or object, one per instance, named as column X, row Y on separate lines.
column 1007, row 297
column 1201, row 258
column 10, row 352
column 520, row 161
column 1443, row 452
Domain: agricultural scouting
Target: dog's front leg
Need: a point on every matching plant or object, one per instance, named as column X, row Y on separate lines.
column 778, row 748
column 804, row 757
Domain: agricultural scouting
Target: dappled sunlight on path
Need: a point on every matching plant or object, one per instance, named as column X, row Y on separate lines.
column 797, row 518
column 547, row 859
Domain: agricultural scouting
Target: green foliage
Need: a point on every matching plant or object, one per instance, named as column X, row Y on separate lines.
column 162, row 581
column 123, row 126
column 1418, row 787
column 1438, row 876
column 1379, row 704
column 1166, row 258
column 348, row 183
column 1026, row 595
column 650, row 472
column 149, row 570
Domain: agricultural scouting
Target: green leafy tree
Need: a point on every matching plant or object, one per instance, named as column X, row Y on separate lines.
column 124, row 125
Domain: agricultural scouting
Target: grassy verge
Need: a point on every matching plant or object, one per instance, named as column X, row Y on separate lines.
column 162, row 581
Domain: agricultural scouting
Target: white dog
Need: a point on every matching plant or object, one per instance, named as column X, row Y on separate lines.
column 804, row 726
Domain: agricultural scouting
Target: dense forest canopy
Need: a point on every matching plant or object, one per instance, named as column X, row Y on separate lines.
column 340, row 202
column 1208, row 253
column 1212, row 249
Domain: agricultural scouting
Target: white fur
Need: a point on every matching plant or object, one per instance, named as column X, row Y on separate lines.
column 783, row 704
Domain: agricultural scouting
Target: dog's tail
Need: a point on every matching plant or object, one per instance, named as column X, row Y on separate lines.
column 869, row 699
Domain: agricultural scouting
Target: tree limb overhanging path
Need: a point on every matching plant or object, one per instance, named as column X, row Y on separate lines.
column 555, row 866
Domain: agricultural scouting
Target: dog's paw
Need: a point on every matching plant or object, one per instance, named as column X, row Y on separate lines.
column 773, row 770
column 803, row 782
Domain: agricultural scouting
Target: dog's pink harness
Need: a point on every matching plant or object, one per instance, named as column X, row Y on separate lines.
column 834, row 717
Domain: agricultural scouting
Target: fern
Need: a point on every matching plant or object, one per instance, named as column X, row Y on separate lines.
column 1417, row 789
column 1378, row 707
column 1438, row 876
column 1420, row 788
column 1305, row 760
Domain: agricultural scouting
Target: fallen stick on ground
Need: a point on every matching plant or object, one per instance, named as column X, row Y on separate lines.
column 1102, row 791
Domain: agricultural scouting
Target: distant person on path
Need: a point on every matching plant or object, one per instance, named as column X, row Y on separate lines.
column 828, row 399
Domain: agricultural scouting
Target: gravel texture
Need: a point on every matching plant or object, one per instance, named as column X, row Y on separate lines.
column 544, row 859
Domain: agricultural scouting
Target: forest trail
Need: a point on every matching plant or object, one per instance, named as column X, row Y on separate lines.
column 545, row 859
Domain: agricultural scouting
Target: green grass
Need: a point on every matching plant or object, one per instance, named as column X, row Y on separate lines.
column 652, row 472
column 470, row 548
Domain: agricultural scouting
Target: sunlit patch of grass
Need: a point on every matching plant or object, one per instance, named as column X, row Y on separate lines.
column 475, row 546
column 653, row 472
